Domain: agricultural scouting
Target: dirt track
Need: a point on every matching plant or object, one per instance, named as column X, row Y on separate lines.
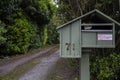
column 9, row 67
column 40, row 71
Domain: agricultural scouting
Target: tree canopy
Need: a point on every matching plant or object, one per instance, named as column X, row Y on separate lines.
column 23, row 24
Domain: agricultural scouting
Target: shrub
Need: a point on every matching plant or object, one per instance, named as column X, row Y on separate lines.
column 105, row 68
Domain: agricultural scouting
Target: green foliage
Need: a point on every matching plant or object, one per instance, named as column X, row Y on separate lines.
column 71, row 9
column 25, row 25
column 52, row 33
column 7, row 8
column 51, row 29
column 45, row 36
column 104, row 68
column 2, row 32
column 39, row 11
column 20, row 36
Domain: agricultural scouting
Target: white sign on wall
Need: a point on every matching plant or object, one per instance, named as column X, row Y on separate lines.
column 104, row 36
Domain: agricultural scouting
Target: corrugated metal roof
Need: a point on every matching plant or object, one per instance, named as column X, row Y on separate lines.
column 91, row 12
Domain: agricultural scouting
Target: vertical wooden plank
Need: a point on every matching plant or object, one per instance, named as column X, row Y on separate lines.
column 60, row 33
column 114, row 35
column 65, row 41
column 84, row 67
column 80, row 38
column 71, row 40
column 75, row 39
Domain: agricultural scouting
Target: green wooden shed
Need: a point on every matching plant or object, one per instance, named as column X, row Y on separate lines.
column 91, row 30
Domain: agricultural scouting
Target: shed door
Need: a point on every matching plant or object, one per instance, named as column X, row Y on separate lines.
column 75, row 39
column 65, row 41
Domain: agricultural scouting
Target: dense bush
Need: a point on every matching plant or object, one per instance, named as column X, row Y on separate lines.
column 20, row 36
column 2, row 33
column 105, row 68
column 24, row 25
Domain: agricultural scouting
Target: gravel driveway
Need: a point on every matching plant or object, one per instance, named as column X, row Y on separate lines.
column 40, row 71
column 9, row 67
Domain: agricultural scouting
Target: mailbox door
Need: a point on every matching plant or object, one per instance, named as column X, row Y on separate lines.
column 65, row 41
column 75, row 39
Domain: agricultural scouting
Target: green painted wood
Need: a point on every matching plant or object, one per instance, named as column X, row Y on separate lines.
column 84, row 67
column 105, row 42
column 97, row 12
column 98, row 46
column 88, row 38
column 78, row 39
column 97, row 24
column 97, row 31
column 75, row 39
column 70, row 40
column 60, row 33
column 107, row 17
column 113, row 35
column 65, row 41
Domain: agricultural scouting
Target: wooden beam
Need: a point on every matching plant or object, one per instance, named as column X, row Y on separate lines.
column 97, row 24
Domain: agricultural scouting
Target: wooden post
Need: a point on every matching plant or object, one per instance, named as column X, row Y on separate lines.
column 84, row 67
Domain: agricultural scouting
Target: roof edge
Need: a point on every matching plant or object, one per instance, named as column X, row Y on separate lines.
column 95, row 10
column 76, row 19
column 108, row 17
